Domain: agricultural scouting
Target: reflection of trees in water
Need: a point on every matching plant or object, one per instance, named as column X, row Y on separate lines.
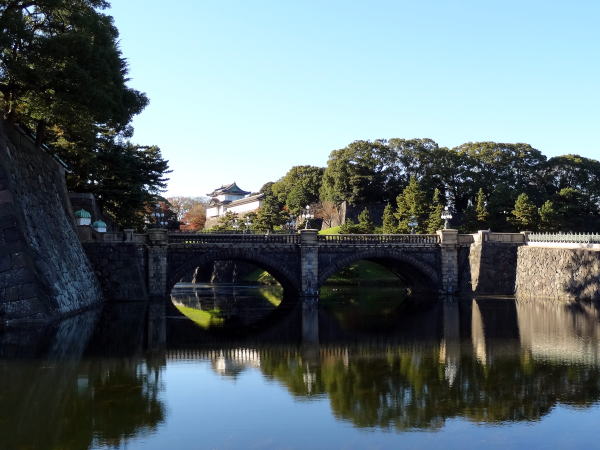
column 72, row 405
column 405, row 387
column 59, row 400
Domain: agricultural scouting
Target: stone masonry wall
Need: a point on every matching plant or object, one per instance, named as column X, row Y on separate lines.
column 558, row 273
column 493, row 268
column 121, row 268
column 44, row 272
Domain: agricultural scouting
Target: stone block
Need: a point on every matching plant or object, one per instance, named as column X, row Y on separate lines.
column 11, row 234
column 5, row 262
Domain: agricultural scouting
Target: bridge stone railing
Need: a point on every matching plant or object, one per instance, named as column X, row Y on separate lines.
column 385, row 239
column 571, row 238
column 506, row 238
column 217, row 238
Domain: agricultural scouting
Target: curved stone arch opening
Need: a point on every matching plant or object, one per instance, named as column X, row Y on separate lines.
column 418, row 275
column 281, row 274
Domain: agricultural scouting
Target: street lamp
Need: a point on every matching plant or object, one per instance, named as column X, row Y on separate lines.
column 158, row 216
column 306, row 216
column 413, row 224
column 446, row 216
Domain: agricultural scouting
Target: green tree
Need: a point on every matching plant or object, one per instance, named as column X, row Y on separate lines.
column 548, row 217
column 435, row 221
column 125, row 178
column 60, row 66
column 227, row 222
column 481, row 212
column 389, row 223
column 574, row 213
column 411, row 204
column 299, row 187
column 349, row 227
column 365, row 223
column 363, row 172
column 575, row 172
column 271, row 214
column 62, row 76
column 524, row 214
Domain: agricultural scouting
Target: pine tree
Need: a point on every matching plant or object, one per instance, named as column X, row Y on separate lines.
column 389, row 224
column 365, row 223
column 349, row 227
column 548, row 216
column 524, row 215
column 469, row 222
column 481, row 212
column 411, row 204
column 435, row 221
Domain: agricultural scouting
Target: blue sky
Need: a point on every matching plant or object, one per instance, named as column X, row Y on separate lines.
column 244, row 89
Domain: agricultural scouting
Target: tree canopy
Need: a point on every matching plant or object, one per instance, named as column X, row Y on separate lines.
column 62, row 76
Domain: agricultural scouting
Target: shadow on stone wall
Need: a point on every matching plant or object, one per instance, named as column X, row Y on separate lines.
column 559, row 273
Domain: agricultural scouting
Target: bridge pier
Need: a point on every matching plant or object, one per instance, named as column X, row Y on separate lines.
column 449, row 261
column 309, row 266
column 157, row 263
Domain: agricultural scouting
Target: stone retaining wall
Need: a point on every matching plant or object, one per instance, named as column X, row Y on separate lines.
column 121, row 267
column 558, row 273
column 44, row 272
column 493, row 268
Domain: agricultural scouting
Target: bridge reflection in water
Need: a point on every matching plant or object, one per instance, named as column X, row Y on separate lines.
column 100, row 378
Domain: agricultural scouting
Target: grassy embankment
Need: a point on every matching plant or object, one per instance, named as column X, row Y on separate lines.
column 362, row 273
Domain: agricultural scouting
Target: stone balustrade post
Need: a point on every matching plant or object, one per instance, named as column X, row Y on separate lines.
column 309, row 265
column 449, row 261
column 157, row 262
column 128, row 234
column 84, row 232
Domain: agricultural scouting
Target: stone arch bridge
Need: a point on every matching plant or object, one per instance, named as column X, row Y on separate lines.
column 150, row 265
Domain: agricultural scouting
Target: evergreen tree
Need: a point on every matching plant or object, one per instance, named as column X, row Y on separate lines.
column 524, row 214
column 469, row 220
column 365, row 223
column 481, row 212
column 349, row 227
column 271, row 214
column 573, row 210
column 411, row 204
column 226, row 222
column 390, row 226
column 435, row 221
column 548, row 216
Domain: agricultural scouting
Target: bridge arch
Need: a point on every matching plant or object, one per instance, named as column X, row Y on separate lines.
column 182, row 263
column 418, row 274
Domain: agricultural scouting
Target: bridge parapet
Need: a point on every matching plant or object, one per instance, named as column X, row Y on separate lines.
column 384, row 239
column 216, row 238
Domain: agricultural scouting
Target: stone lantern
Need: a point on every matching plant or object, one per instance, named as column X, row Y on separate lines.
column 82, row 217
column 99, row 226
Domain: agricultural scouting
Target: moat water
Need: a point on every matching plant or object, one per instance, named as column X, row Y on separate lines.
column 231, row 367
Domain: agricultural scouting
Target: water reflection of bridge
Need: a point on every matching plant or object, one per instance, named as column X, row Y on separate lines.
column 488, row 360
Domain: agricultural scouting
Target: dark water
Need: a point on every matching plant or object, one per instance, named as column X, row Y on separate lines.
column 367, row 369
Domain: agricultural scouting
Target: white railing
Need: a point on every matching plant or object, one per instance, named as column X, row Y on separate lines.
column 574, row 238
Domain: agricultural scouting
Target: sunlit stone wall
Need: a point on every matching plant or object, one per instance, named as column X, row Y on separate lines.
column 559, row 273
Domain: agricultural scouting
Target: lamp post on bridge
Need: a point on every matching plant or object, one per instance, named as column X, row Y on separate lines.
column 446, row 217
column 158, row 216
column 307, row 216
